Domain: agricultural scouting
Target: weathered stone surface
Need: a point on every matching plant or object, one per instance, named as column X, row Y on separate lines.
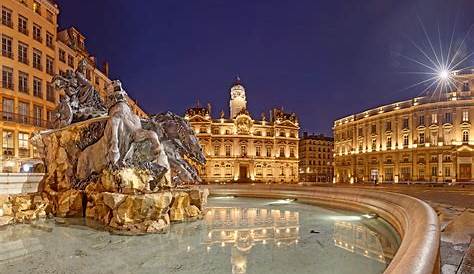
column 459, row 231
column 23, row 208
column 70, row 204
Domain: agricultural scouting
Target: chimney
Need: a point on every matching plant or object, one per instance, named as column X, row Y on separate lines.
column 105, row 68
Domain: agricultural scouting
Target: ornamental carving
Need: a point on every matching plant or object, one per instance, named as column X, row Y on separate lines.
column 243, row 124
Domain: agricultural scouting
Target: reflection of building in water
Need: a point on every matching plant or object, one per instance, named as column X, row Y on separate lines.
column 242, row 228
column 357, row 238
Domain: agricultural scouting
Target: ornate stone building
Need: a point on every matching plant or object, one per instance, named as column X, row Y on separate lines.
column 240, row 148
column 33, row 50
column 316, row 158
column 423, row 139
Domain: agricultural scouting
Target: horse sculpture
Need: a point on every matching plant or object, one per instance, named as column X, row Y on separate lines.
column 181, row 146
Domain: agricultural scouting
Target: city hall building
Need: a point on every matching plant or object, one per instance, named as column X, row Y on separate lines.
column 240, row 148
column 423, row 139
column 33, row 50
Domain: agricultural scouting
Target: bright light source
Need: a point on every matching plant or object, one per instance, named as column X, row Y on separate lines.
column 444, row 74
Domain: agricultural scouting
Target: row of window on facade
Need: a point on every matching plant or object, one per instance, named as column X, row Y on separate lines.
column 8, row 144
column 22, row 26
column 312, row 148
column 258, row 151
column 319, row 162
column 23, row 81
column 259, row 170
column 23, row 50
column 217, row 131
column 36, row 7
column 447, row 119
column 406, row 141
column 312, row 155
column 406, row 173
column 22, row 115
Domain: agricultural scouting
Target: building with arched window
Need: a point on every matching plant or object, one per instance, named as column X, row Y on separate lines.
column 239, row 148
column 423, row 139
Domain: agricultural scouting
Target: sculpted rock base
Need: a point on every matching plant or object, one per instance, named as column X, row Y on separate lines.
column 24, row 208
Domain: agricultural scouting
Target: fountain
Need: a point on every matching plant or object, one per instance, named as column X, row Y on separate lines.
column 105, row 163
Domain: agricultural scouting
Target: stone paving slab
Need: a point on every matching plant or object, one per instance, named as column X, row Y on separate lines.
column 467, row 264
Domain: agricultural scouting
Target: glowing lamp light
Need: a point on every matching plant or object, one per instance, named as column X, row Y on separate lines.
column 444, row 74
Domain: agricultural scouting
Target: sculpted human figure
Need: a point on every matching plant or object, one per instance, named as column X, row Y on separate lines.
column 122, row 131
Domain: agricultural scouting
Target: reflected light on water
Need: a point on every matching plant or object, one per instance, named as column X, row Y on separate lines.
column 243, row 228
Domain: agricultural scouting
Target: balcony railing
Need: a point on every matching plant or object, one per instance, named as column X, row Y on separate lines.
column 23, row 119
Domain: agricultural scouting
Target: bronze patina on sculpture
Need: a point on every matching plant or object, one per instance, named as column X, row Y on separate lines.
column 105, row 163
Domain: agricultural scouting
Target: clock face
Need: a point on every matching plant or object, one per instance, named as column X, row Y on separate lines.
column 237, row 92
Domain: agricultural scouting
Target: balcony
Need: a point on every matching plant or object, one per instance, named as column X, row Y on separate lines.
column 23, row 119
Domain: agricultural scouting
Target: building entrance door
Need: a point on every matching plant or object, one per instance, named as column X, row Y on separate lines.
column 243, row 172
column 465, row 172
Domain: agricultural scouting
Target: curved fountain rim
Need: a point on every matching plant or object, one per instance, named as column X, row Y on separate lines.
column 414, row 220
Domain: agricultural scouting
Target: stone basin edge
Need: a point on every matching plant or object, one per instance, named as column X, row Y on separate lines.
column 414, row 220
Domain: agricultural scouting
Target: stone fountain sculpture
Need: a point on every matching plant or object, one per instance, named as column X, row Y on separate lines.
column 105, row 163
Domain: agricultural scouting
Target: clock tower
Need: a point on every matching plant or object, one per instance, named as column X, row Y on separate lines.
column 237, row 98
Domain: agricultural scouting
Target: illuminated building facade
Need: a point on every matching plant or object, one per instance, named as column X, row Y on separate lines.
column 239, row 148
column 33, row 51
column 316, row 158
column 423, row 139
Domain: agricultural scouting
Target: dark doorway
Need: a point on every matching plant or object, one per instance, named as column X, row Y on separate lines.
column 465, row 172
column 243, row 172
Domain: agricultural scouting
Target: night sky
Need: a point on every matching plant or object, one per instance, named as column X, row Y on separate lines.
column 321, row 59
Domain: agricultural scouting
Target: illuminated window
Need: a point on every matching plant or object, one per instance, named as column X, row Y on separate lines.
column 23, row 144
column 37, row 7
column 465, row 116
column 447, row 171
column 421, row 120
column 405, row 140
column 465, row 136
column 434, row 118
column 421, row 137
column 448, row 119
column 258, row 151
column 405, row 123
column 282, row 151
column 8, row 147
column 269, row 152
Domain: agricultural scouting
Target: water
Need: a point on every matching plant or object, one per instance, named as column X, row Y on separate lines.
column 237, row 235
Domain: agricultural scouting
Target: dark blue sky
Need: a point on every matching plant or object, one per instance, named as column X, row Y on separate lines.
column 322, row 59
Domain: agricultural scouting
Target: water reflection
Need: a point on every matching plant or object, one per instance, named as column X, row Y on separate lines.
column 360, row 239
column 243, row 228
